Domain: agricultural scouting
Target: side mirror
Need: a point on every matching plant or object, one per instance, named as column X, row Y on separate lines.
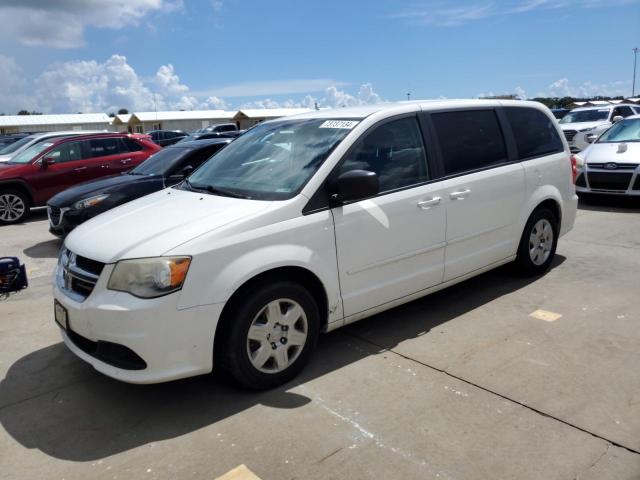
column 354, row 185
column 46, row 161
column 590, row 137
column 617, row 118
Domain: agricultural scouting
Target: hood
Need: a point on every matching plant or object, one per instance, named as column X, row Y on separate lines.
column 608, row 153
column 96, row 187
column 582, row 125
column 156, row 223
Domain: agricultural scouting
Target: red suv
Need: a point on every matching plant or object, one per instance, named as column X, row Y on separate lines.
column 49, row 167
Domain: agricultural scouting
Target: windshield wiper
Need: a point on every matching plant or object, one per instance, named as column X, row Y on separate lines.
column 214, row 190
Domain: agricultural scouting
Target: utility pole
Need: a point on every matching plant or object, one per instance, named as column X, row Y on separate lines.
column 408, row 96
column 635, row 58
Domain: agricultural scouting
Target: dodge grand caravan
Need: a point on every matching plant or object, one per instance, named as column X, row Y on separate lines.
column 308, row 223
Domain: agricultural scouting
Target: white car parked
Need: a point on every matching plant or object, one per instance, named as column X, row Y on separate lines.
column 582, row 125
column 308, row 223
column 612, row 164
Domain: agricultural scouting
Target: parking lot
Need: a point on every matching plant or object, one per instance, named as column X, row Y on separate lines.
column 463, row 384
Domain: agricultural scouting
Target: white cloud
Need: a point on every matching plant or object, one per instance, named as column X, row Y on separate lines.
column 90, row 86
column 277, row 87
column 169, row 81
column 93, row 86
column 520, row 92
column 11, row 101
column 333, row 97
column 448, row 13
column 61, row 23
column 564, row 88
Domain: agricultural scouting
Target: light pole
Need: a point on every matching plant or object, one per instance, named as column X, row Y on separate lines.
column 635, row 58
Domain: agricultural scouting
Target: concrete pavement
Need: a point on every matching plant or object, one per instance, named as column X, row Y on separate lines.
column 463, row 384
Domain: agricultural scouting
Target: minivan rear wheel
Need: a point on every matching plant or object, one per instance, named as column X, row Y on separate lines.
column 14, row 207
column 538, row 243
column 270, row 336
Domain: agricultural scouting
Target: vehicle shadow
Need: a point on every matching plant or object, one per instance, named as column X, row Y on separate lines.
column 609, row 203
column 47, row 249
column 52, row 401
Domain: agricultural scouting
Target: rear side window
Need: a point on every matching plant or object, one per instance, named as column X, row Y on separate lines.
column 102, row 147
column 131, row 145
column 469, row 140
column 394, row 151
column 534, row 132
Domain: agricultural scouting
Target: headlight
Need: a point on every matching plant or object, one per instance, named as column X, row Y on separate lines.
column 149, row 277
column 90, row 202
column 587, row 129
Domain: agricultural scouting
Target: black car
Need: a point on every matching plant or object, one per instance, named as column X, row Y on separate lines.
column 166, row 137
column 171, row 165
column 559, row 113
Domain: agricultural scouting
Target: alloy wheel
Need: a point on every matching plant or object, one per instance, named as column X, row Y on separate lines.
column 12, row 207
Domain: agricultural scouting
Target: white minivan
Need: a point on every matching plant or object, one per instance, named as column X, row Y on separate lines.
column 305, row 224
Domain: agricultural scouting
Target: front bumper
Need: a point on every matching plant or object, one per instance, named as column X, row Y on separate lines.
column 620, row 181
column 63, row 220
column 172, row 343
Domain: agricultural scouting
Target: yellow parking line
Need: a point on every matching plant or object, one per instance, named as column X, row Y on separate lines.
column 545, row 315
column 239, row 473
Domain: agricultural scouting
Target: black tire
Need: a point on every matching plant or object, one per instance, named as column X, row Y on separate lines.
column 524, row 263
column 14, row 207
column 233, row 348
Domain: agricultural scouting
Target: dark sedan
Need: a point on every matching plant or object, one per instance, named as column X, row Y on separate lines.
column 76, row 205
column 165, row 138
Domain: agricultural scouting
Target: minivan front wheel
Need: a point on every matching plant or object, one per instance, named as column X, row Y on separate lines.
column 271, row 335
column 538, row 243
column 14, row 207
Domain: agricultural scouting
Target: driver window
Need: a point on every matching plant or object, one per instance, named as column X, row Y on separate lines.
column 394, row 151
column 66, row 152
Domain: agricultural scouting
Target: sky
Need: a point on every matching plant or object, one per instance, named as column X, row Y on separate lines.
column 69, row 56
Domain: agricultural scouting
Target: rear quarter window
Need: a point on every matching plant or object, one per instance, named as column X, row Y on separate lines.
column 469, row 140
column 535, row 133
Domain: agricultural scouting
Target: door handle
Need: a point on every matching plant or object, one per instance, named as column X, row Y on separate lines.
column 426, row 204
column 459, row 195
column 79, row 169
column 104, row 166
column 125, row 161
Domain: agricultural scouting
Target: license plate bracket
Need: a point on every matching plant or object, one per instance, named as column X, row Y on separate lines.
column 61, row 315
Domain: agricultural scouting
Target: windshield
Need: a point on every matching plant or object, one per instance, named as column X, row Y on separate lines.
column 273, row 161
column 16, row 145
column 161, row 162
column 31, row 152
column 625, row 131
column 585, row 116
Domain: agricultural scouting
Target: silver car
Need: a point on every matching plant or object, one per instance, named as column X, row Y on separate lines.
column 611, row 164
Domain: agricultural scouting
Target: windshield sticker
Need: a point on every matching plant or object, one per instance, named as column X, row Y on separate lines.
column 345, row 124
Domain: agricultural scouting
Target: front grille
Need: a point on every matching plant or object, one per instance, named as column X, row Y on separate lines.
column 609, row 180
column 54, row 215
column 569, row 134
column 77, row 276
column 618, row 166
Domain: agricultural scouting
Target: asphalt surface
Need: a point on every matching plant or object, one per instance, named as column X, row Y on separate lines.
column 463, row 384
